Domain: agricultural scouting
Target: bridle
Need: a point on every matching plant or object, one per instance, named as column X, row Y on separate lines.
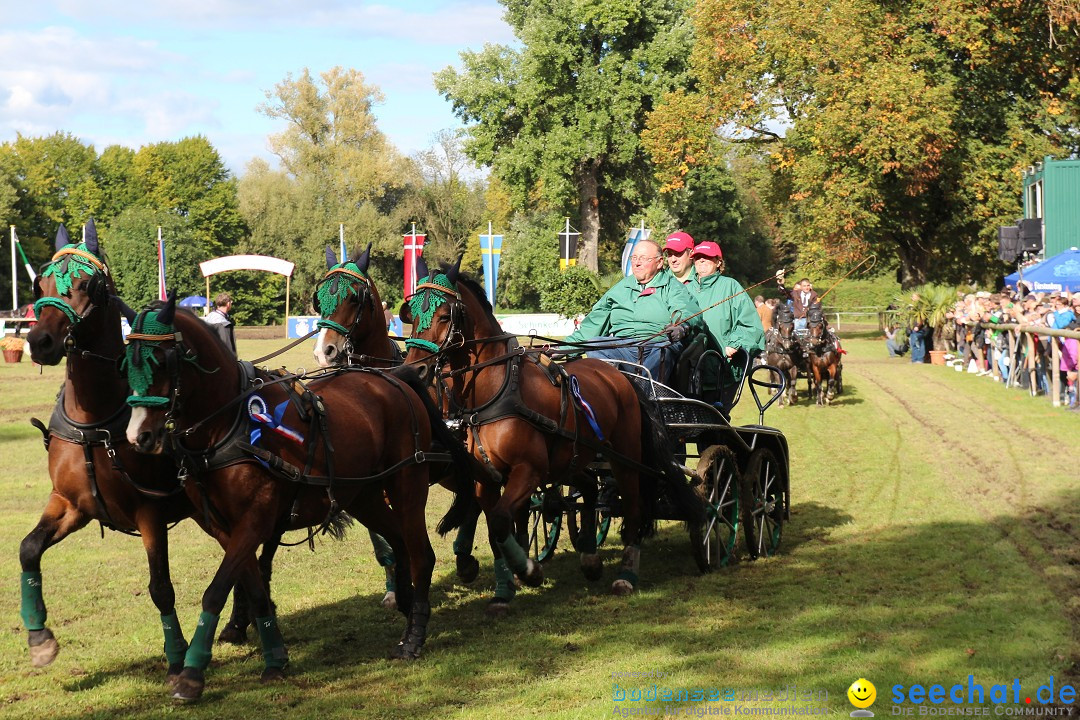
column 148, row 337
column 423, row 304
column 66, row 265
column 337, row 285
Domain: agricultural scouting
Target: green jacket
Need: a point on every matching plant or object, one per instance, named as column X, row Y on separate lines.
column 734, row 323
column 629, row 311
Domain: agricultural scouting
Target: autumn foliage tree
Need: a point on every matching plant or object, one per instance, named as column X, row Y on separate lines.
column 892, row 128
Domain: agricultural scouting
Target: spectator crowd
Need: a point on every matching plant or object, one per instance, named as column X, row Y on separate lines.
column 1025, row 359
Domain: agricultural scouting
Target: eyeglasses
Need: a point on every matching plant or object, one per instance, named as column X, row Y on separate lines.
column 644, row 258
column 672, row 253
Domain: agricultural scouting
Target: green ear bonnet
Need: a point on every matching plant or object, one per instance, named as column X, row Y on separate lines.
column 334, row 290
column 139, row 361
column 69, row 263
column 427, row 300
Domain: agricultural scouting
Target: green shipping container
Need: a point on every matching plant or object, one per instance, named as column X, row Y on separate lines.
column 1052, row 193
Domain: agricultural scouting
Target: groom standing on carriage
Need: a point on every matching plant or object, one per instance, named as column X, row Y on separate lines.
column 644, row 307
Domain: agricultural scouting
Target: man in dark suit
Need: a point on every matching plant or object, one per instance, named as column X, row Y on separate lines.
column 802, row 297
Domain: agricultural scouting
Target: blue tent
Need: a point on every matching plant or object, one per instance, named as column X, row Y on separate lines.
column 194, row 301
column 1060, row 273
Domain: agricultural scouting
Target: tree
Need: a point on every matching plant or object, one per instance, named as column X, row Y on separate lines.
column 130, row 243
column 442, row 201
column 338, row 168
column 558, row 120
column 893, row 129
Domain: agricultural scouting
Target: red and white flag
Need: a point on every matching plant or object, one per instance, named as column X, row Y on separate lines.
column 162, row 292
column 414, row 248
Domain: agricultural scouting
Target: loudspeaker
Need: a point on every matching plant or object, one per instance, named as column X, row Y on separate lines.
column 1031, row 239
column 1009, row 243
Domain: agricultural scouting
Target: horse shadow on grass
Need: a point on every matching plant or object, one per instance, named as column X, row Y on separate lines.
column 902, row 601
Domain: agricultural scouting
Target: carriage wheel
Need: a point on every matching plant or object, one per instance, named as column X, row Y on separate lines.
column 764, row 512
column 544, row 528
column 712, row 542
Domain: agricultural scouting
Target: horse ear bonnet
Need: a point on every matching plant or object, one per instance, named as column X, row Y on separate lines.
column 364, row 259
column 331, row 258
column 815, row 314
column 62, row 237
column 784, row 314
column 90, row 238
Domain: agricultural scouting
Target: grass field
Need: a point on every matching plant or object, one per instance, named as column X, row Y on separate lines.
column 933, row 536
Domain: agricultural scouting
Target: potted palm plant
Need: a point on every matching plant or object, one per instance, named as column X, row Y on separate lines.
column 930, row 306
column 13, row 348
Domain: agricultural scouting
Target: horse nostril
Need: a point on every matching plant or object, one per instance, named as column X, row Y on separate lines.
column 145, row 440
column 330, row 351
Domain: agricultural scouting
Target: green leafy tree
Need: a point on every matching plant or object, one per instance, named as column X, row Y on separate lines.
column 530, row 251
column 569, row 292
column 558, row 119
column 337, row 168
column 130, row 242
column 892, row 129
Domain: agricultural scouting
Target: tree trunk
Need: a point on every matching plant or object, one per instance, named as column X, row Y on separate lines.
column 589, row 205
column 912, row 265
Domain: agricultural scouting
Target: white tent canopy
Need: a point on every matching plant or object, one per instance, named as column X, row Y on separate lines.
column 250, row 262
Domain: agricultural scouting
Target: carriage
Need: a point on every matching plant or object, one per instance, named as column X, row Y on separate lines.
column 739, row 471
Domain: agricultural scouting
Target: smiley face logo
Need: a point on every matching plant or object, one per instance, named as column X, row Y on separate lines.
column 862, row 693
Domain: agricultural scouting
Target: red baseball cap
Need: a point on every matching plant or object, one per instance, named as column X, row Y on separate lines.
column 707, row 249
column 679, row 242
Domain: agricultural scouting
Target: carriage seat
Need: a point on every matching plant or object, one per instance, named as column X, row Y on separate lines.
column 705, row 374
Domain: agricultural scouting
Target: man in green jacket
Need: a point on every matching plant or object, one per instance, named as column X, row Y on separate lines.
column 639, row 307
column 733, row 324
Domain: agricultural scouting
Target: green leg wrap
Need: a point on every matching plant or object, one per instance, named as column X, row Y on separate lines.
column 33, row 604
column 504, row 581
column 466, row 535
column 175, row 644
column 631, row 564
column 200, row 651
column 516, row 559
column 391, row 582
column 383, row 552
column 274, row 653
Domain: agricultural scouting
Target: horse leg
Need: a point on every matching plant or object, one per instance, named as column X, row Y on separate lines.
column 59, row 519
column 523, row 480
column 241, row 565
column 384, row 555
column 830, row 392
column 155, row 537
column 235, row 630
column 630, row 493
column 409, row 496
column 591, row 566
column 468, row 567
column 505, row 584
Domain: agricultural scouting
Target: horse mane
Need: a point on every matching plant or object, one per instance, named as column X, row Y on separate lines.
column 478, row 291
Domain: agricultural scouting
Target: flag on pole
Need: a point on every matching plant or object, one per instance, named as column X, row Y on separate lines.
column 491, row 253
column 163, row 294
column 414, row 248
column 341, row 238
column 568, row 247
column 636, row 235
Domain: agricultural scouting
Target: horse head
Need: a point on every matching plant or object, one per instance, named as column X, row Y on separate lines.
column 350, row 310
column 70, row 287
column 447, row 312
column 172, row 363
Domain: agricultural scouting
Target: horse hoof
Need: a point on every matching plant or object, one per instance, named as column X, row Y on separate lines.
column 189, row 685
column 497, row 608
column 173, row 674
column 468, row 567
column 43, row 647
column 405, row 651
column 232, row 634
column 534, row 574
column 621, row 588
column 272, row 675
column 592, row 567
column 389, row 600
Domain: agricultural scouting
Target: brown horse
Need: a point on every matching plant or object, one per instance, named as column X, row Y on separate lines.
column 824, row 358
column 784, row 352
column 95, row 473
column 354, row 333
column 527, row 430
column 341, row 441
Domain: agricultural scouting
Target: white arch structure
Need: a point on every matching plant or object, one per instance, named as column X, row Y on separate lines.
column 250, row 262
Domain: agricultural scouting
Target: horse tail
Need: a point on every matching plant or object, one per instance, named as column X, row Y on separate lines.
column 337, row 525
column 462, row 506
column 667, row 478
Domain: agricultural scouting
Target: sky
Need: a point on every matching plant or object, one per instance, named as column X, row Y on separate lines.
column 133, row 73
